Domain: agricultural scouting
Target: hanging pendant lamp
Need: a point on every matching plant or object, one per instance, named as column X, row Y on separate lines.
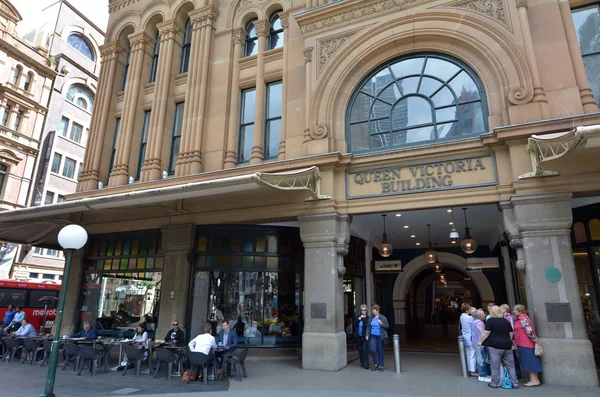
column 431, row 255
column 453, row 233
column 468, row 244
column 385, row 249
column 437, row 266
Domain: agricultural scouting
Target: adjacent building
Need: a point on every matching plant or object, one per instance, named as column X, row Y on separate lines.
column 241, row 154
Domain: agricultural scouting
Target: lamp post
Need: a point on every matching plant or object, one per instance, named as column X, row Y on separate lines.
column 70, row 238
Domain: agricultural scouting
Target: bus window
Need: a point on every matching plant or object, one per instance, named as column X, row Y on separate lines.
column 36, row 295
column 15, row 297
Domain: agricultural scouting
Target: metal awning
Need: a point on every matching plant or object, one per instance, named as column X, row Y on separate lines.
column 550, row 147
column 40, row 225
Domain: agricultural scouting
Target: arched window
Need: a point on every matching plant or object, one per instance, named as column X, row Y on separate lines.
column 251, row 46
column 154, row 65
column 414, row 100
column 14, row 79
column 81, row 97
column 3, row 172
column 276, row 35
column 126, row 71
column 80, row 44
column 28, row 80
column 186, row 48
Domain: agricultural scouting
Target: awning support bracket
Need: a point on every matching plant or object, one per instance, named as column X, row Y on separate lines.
column 308, row 179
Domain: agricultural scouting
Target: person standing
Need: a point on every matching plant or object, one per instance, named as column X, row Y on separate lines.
column 377, row 326
column 512, row 319
column 526, row 339
column 360, row 331
column 466, row 326
column 8, row 316
column 480, row 351
column 497, row 337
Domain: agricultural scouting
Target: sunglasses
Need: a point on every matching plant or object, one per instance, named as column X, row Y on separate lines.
column 175, row 325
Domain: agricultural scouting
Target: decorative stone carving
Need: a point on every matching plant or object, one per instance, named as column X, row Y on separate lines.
column 262, row 27
column 206, row 12
column 516, row 243
column 349, row 16
column 493, row 9
column 115, row 5
column 319, row 132
column 308, row 54
column 168, row 30
column 110, row 49
column 284, row 18
column 521, row 3
column 519, row 96
column 328, row 47
column 245, row 3
column 238, row 36
column 138, row 40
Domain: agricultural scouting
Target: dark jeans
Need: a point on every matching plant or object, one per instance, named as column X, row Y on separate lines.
column 363, row 351
column 376, row 344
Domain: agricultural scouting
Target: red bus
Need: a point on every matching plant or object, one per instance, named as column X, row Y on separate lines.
column 28, row 295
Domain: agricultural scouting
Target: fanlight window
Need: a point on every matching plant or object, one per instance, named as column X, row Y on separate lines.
column 416, row 100
column 81, row 96
column 81, row 45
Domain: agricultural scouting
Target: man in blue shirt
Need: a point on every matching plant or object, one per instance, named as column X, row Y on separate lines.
column 226, row 340
column 8, row 316
column 87, row 333
column 16, row 321
column 26, row 330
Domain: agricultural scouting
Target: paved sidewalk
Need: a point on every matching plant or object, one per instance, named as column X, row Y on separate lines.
column 423, row 375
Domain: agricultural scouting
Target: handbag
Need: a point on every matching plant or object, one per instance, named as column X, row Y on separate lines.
column 539, row 349
column 506, row 382
column 189, row 374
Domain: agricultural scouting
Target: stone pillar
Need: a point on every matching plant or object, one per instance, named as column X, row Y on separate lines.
column 587, row 97
column 238, row 37
column 71, row 314
column 152, row 168
column 308, row 93
column 90, row 175
column 10, row 123
column 140, row 43
column 285, row 23
column 263, row 29
column 508, row 275
column 538, row 91
column 325, row 237
column 368, row 275
column 25, row 121
column 3, row 109
column 543, row 222
column 178, row 244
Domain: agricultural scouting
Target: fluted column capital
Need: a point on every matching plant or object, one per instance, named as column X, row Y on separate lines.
column 138, row 40
column 168, row 30
column 110, row 51
column 238, row 36
column 209, row 13
column 284, row 18
column 521, row 3
column 262, row 27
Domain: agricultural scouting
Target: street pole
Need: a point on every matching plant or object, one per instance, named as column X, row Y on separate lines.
column 463, row 356
column 49, row 391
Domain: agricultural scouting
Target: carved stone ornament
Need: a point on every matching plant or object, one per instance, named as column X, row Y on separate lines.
column 168, row 29
column 139, row 40
column 521, row 3
column 319, row 132
column 284, row 18
column 245, row 3
column 115, row 5
column 328, row 47
column 493, row 9
column 110, row 49
column 516, row 243
column 349, row 16
column 206, row 12
column 519, row 96
column 308, row 54
column 262, row 27
column 238, row 36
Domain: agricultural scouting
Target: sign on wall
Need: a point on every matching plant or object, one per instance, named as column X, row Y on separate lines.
column 454, row 173
column 388, row 266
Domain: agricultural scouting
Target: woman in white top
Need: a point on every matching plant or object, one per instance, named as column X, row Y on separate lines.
column 141, row 336
column 466, row 323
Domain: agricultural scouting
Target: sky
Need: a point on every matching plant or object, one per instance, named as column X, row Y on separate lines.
column 95, row 10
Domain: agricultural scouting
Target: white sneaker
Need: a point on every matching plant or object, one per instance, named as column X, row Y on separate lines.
column 486, row 379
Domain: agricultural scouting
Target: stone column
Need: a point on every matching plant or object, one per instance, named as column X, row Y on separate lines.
column 263, row 29
column 152, row 168
column 71, row 314
column 140, row 43
column 3, row 109
column 307, row 95
column 538, row 90
column 587, row 97
column 90, row 175
column 10, row 123
column 285, row 23
column 543, row 222
column 508, row 275
column 325, row 237
column 178, row 244
column 25, row 121
column 238, row 37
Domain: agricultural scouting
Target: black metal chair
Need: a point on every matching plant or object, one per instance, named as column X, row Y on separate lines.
column 134, row 355
column 200, row 360
column 237, row 359
column 47, row 350
column 32, row 347
column 12, row 346
column 71, row 351
column 164, row 356
column 90, row 355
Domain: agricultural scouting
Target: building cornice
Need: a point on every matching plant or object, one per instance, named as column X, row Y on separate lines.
column 115, row 5
column 15, row 53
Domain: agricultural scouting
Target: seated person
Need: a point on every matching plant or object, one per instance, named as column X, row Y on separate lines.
column 286, row 331
column 16, row 321
column 227, row 339
column 26, row 330
column 275, row 327
column 203, row 343
column 141, row 336
column 87, row 332
column 175, row 336
column 8, row 316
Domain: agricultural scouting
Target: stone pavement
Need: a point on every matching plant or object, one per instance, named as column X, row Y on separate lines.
column 423, row 375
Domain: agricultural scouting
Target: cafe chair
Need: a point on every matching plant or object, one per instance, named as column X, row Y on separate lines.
column 164, row 356
column 71, row 351
column 47, row 350
column 32, row 347
column 134, row 355
column 199, row 360
column 237, row 359
column 12, row 346
column 90, row 355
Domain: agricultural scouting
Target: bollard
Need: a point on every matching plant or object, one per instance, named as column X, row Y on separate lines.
column 462, row 354
column 397, row 364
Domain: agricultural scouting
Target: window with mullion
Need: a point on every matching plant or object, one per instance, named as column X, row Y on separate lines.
column 64, row 126
column 587, row 26
column 27, row 84
column 69, row 168
column 246, row 125
column 76, row 132
column 251, row 45
column 154, row 65
column 56, row 160
column 114, row 146
column 3, row 172
column 276, row 34
column 186, row 48
column 143, row 143
column 176, row 138
column 49, row 198
column 273, row 120
column 126, row 70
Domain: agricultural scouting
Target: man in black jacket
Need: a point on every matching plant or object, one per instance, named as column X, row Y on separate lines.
column 359, row 328
column 175, row 336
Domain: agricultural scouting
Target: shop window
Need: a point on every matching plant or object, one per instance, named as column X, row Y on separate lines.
column 251, row 45
column 276, row 34
column 579, row 232
column 81, row 96
column 80, row 44
column 594, row 225
column 273, row 121
column 587, row 26
column 3, row 173
column 64, row 126
column 186, row 47
column 416, row 100
column 69, row 168
column 114, row 145
column 6, row 115
column 143, row 144
column 28, row 81
column 176, row 137
column 49, row 198
column 247, row 125
column 126, row 70
column 16, row 73
column 154, row 64
column 56, row 160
